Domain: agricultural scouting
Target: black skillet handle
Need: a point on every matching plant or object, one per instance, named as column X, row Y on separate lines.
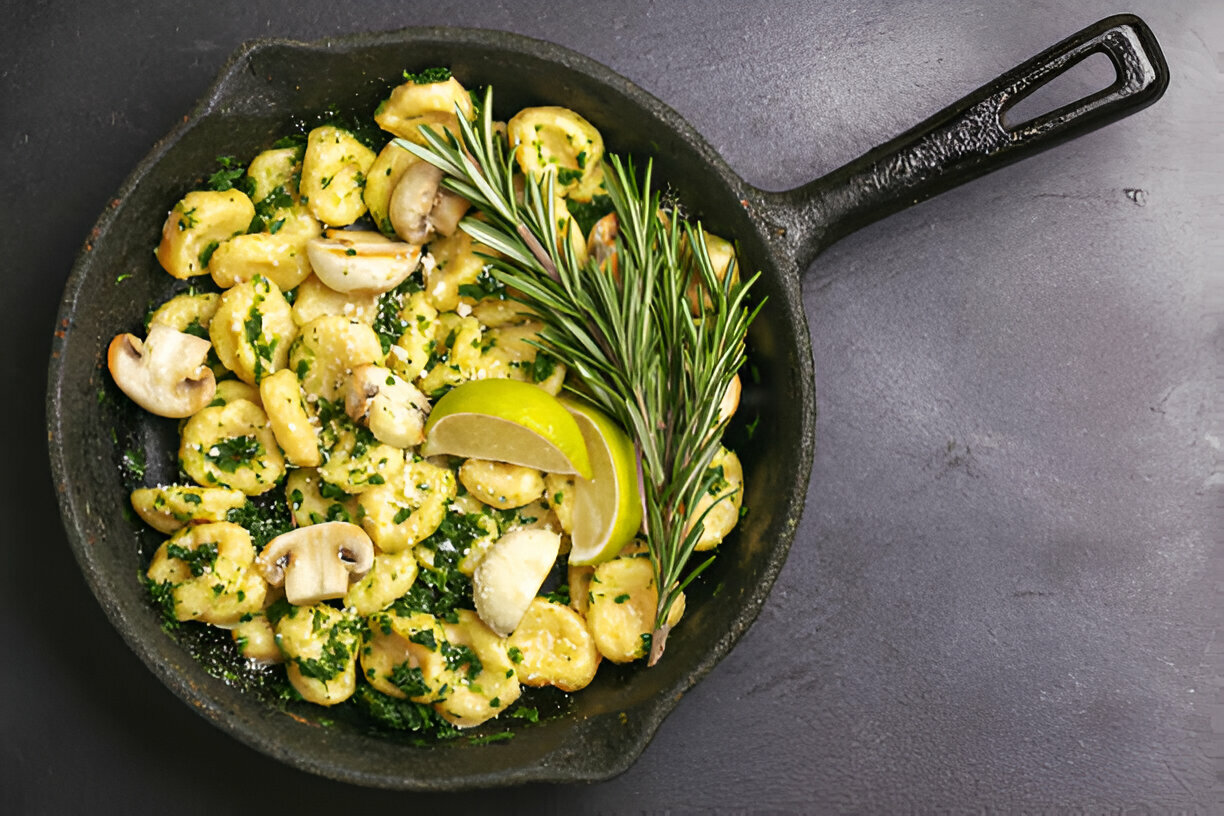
column 969, row 139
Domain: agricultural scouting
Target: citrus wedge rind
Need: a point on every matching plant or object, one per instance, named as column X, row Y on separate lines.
column 607, row 506
column 507, row 421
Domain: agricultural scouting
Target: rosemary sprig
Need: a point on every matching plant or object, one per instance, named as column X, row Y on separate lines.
column 637, row 349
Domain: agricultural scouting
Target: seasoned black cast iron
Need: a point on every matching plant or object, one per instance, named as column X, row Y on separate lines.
column 600, row 731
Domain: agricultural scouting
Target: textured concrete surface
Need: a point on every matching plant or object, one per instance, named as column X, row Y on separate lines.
column 1005, row 595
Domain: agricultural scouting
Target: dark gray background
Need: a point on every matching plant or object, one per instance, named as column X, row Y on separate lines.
column 1005, row 594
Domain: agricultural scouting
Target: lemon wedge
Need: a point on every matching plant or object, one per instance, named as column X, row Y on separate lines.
column 507, row 421
column 607, row 506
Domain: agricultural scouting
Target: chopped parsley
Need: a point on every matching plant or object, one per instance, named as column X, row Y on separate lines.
column 403, row 715
column 428, row 76
column 410, row 680
column 235, row 452
column 560, row 595
column 199, row 560
column 336, row 654
column 459, row 655
column 486, row 286
column 264, row 521
column 228, row 176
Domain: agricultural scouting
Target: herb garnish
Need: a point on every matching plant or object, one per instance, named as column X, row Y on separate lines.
column 640, row 353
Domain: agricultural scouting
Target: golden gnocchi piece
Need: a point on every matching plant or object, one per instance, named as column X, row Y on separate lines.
column 622, row 605
column 501, row 485
column 391, row 576
column 559, row 495
column 404, row 659
column 196, row 227
column 554, row 647
column 316, row 299
column 255, row 637
column 314, row 501
column 285, row 405
column 457, row 262
column 327, row 351
column 252, row 329
column 281, row 258
column 189, row 313
column 385, row 172
column 410, row 354
column 356, row 466
column 721, row 503
column 558, row 140
column 211, row 574
column 486, row 533
column 333, row 175
column 414, row 104
column 409, row 507
column 507, row 351
column 320, row 645
column 230, row 390
column 457, row 347
column 231, row 446
column 722, row 257
column 495, row 312
column 274, row 168
column 481, row 688
column 171, row 507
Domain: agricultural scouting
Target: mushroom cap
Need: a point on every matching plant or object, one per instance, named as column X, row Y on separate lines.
column 392, row 408
column 356, row 263
column 317, row 562
column 166, row 373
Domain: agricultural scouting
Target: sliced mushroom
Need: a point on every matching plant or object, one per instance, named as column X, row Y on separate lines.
column 317, row 562
column 419, row 206
column 510, row 575
column 357, row 262
column 448, row 208
column 392, row 408
column 166, row 374
column 601, row 244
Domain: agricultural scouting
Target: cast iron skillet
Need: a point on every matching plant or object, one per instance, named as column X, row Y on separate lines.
column 266, row 84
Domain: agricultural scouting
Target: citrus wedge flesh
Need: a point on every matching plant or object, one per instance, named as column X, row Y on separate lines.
column 607, row 506
column 507, row 421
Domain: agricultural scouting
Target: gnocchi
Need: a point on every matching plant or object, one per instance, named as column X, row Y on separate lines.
column 343, row 298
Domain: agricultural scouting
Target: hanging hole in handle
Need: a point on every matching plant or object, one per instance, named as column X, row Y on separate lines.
column 1093, row 75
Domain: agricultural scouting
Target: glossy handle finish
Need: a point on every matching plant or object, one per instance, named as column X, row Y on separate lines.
column 969, row 138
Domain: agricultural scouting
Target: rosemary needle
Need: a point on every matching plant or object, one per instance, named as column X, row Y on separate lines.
column 632, row 340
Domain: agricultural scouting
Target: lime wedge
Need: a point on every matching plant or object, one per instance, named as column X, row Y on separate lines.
column 607, row 507
column 507, row 421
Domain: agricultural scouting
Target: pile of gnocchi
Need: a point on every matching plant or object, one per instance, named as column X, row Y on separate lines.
column 346, row 301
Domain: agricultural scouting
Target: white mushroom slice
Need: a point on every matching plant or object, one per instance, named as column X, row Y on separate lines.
column 317, row 562
column 420, row 207
column 448, row 208
column 392, row 408
column 361, row 264
column 411, row 201
column 510, row 575
column 165, row 374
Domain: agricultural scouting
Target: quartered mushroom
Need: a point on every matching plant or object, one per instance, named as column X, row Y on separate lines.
column 166, row 373
column 359, row 261
column 317, row 562
column 420, row 206
column 392, row 408
column 511, row 574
